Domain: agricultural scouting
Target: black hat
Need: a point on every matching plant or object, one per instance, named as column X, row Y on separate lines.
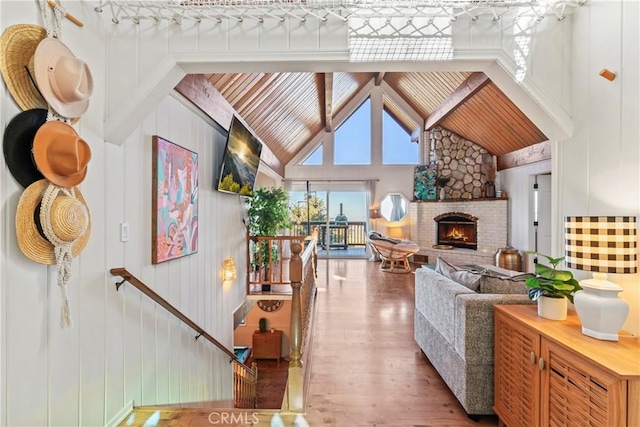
column 18, row 139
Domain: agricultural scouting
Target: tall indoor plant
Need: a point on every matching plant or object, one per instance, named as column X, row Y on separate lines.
column 268, row 214
column 552, row 288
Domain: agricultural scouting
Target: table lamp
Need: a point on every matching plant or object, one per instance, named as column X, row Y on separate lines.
column 602, row 244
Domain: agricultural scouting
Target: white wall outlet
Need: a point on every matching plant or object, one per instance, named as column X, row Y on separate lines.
column 124, row 231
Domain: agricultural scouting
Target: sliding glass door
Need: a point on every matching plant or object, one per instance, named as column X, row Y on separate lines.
column 340, row 217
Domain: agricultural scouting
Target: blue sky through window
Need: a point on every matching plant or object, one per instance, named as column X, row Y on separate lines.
column 397, row 148
column 315, row 158
column 352, row 140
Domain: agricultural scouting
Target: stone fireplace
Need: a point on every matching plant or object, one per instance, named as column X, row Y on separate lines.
column 458, row 230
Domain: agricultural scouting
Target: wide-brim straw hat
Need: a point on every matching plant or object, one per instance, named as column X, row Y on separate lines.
column 18, row 141
column 60, row 154
column 64, row 80
column 18, row 44
column 68, row 216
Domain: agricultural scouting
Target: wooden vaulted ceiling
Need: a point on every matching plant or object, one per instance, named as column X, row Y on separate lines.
column 286, row 110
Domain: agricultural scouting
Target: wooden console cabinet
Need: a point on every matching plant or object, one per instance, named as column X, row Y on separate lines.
column 548, row 373
column 267, row 345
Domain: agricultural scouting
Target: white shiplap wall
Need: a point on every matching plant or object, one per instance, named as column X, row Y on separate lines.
column 118, row 351
column 599, row 167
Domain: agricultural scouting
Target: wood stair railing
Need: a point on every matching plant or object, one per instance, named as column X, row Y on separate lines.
column 244, row 378
column 302, row 272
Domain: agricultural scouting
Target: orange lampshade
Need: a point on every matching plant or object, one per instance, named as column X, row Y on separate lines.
column 395, row 232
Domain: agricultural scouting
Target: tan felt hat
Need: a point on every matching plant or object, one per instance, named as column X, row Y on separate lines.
column 60, row 154
column 18, row 44
column 64, row 80
column 70, row 222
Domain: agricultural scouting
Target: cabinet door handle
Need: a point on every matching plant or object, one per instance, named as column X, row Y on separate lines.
column 541, row 364
column 533, row 358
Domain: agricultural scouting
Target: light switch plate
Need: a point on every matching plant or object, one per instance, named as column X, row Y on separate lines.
column 124, row 231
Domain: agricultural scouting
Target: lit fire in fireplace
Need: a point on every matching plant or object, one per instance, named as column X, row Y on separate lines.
column 456, row 234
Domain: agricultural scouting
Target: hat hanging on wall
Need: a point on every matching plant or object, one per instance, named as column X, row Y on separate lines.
column 53, row 226
column 18, row 140
column 18, row 44
column 70, row 222
column 60, row 154
column 64, row 80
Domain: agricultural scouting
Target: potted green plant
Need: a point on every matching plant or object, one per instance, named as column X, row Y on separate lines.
column 268, row 213
column 442, row 182
column 552, row 288
column 262, row 325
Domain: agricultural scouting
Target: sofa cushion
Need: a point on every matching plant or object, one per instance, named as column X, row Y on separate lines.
column 468, row 279
column 444, row 268
column 497, row 285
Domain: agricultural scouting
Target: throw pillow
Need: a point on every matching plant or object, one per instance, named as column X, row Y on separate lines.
column 467, row 279
column 512, row 285
column 444, row 268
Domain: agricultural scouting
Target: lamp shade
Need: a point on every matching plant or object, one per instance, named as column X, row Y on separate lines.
column 602, row 244
column 374, row 213
column 605, row 244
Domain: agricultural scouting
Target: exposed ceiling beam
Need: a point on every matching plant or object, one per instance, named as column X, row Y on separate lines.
column 328, row 101
column 466, row 90
column 379, row 78
column 524, row 156
column 203, row 94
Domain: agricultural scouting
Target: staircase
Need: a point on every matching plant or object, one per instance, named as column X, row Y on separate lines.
column 302, row 274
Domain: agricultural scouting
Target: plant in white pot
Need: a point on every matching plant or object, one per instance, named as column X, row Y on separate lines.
column 552, row 288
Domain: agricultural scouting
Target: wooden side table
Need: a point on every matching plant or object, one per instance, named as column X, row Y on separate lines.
column 267, row 345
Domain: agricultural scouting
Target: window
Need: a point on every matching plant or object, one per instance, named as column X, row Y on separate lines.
column 397, row 148
column 352, row 143
column 315, row 158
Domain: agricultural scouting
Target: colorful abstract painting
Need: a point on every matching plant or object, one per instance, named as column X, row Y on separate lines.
column 424, row 182
column 175, row 201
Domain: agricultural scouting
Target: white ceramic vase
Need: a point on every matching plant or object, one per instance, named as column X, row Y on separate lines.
column 442, row 193
column 601, row 312
column 552, row 308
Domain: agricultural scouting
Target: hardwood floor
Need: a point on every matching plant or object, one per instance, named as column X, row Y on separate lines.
column 367, row 369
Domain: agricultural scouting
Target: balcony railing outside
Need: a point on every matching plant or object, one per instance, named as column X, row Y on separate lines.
column 341, row 235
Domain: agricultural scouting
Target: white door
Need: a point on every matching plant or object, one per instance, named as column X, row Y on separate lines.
column 541, row 224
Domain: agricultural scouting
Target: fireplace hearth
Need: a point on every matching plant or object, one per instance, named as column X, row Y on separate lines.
column 457, row 229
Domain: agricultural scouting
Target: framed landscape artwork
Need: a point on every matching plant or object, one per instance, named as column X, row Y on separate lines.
column 174, row 204
column 424, row 182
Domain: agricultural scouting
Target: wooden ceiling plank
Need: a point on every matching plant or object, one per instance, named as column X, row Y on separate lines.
column 471, row 85
column 250, row 97
column 514, row 121
column 328, row 101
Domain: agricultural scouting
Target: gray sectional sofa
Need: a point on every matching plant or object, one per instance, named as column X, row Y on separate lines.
column 454, row 328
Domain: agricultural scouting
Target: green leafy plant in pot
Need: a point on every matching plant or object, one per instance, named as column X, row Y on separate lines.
column 552, row 288
column 262, row 324
column 268, row 214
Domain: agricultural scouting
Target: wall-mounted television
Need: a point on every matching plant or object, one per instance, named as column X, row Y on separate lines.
column 240, row 160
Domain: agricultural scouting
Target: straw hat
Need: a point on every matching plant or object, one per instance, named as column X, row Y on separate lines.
column 18, row 140
column 60, row 154
column 70, row 222
column 64, row 80
column 18, row 44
